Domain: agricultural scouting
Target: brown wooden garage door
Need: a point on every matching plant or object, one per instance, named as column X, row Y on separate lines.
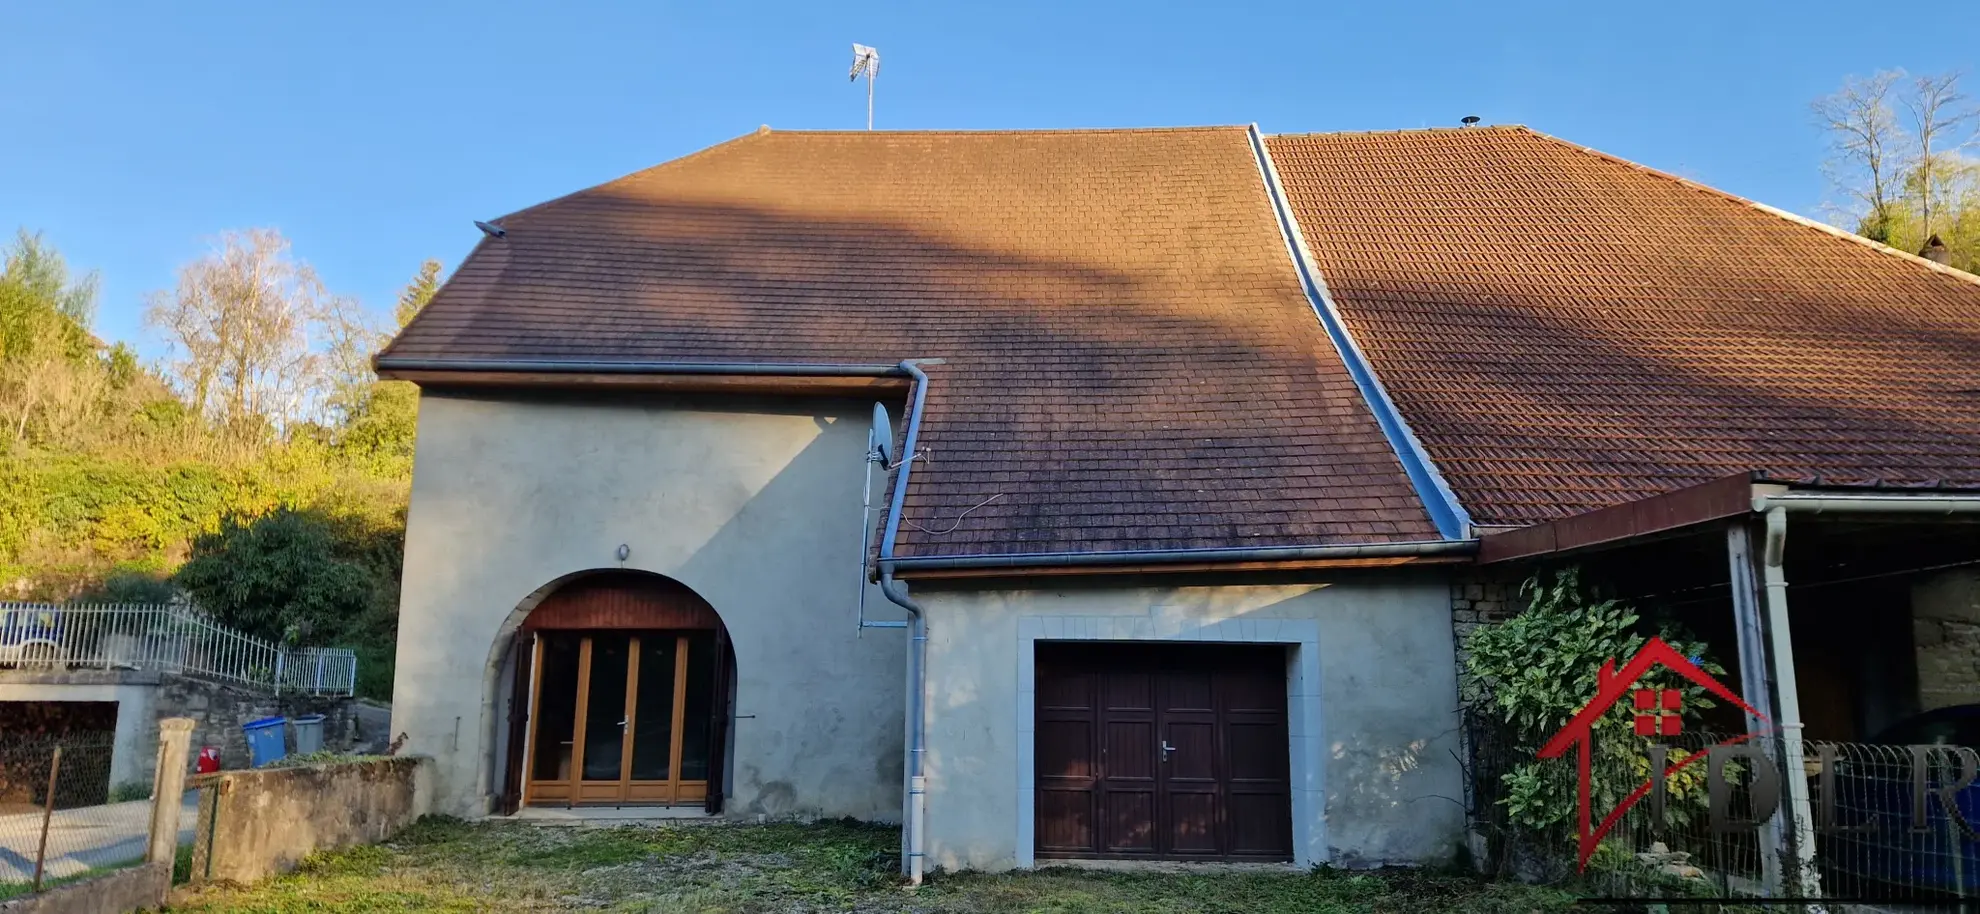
column 1171, row 751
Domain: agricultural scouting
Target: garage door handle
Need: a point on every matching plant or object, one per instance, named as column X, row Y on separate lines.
column 1166, row 749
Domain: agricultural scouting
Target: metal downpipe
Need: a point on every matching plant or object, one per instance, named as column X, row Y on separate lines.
column 917, row 635
column 917, row 679
column 1800, row 824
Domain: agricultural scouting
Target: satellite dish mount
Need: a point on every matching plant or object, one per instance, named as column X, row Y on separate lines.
column 880, row 439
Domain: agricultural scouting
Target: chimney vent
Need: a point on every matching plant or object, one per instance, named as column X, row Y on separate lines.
column 1935, row 251
column 1470, row 120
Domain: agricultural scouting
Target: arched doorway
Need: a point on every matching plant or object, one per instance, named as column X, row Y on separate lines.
column 622, row 682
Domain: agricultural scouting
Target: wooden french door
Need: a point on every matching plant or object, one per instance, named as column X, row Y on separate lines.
column 621, row 718
column 1172, row 752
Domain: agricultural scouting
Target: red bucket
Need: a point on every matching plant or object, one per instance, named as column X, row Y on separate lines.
column 209, row 759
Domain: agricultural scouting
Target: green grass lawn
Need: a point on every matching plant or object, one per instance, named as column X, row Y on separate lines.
column 446, row 865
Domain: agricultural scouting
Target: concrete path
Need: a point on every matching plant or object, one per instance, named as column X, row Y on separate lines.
column 82, row 838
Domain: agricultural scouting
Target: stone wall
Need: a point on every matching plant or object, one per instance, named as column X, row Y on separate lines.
column 1945, row 626
column 1480, row 597
column 255, row 824
column 136, row 888
column 221, row 709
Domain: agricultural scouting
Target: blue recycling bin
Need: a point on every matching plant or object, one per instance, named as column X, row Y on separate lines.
column 264, row 739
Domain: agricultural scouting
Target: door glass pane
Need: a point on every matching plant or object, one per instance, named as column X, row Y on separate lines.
column 701, row 692
column 605, row 710
column 556, row 708
column 653, row 732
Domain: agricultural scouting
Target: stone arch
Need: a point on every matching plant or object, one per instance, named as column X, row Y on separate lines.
column 589, row 600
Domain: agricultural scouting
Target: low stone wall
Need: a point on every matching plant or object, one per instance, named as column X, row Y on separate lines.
column 254, row 824
column 135, row 888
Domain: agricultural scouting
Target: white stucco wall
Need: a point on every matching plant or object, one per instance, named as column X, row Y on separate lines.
column 1373, row 719
column 755, row 507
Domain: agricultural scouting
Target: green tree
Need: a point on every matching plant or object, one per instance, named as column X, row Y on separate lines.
column 418, row 292
column 284, row 576
column 36, row 281
column 51, row 380
column 380, row 428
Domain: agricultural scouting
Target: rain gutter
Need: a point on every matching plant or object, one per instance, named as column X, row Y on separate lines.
column 1868, row 504
column 1416, row 548
column 593, row 366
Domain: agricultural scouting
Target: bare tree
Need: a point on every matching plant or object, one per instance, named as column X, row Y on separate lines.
column 1864, row 147
column 239, row 326
column 1941, row 118
column 352, row 336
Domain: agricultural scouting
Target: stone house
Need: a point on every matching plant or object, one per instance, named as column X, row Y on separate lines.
column 1197, row 450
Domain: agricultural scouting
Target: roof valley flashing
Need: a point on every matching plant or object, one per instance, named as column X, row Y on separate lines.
column 1453, row 523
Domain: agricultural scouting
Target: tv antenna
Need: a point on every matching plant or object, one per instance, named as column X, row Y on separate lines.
column 867, row 61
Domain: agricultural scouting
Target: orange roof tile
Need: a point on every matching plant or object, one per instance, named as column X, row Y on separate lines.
column 1130, row 361
column 1565, row 330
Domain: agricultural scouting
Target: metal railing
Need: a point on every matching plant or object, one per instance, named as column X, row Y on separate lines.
column 169, row 639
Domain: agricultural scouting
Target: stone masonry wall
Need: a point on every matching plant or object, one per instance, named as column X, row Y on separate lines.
column 1480, row 597
column 1945, row 614
column 219, row 710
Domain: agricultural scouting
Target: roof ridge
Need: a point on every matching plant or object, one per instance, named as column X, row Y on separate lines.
column 1481, row 128
column 704, row 151
column 1796, row 218
column 1001, row 131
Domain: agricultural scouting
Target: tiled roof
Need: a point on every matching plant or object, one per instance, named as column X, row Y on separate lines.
column 1130, row 361
column 1565, row 330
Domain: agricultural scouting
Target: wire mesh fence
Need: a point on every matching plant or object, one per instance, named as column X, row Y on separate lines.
column 61, row 817
column 167, row 638
column 1861, row 827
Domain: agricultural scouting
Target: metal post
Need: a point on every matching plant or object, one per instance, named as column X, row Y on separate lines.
column 47, row 813
column 1755, row 685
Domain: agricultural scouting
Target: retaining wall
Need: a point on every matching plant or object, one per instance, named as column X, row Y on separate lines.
column 254, row 824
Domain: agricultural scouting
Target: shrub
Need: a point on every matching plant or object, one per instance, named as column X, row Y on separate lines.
column 277, row 577
column 1528, row 676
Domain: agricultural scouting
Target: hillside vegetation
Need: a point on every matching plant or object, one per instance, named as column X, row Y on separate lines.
column 261, row 470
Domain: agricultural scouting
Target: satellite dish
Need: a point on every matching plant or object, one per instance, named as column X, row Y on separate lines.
column 881, row 439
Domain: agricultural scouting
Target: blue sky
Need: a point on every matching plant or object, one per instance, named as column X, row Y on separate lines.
column 373, row 133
